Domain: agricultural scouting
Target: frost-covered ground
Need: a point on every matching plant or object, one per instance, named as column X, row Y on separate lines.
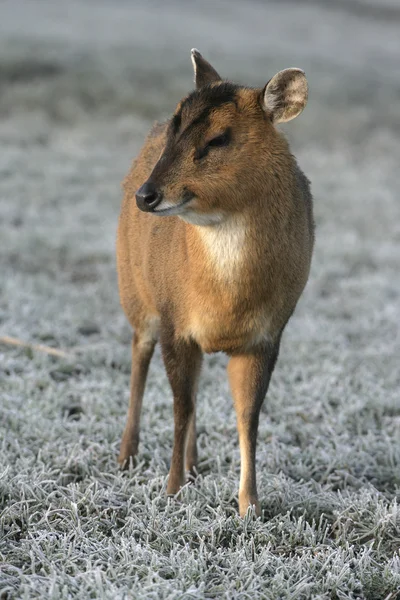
column 80, row 83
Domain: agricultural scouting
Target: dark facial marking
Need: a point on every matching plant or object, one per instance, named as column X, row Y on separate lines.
column 211, row 97
column 187, row 195
column 176, row 123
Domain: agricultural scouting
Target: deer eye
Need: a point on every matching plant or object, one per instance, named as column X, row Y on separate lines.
column 217, row 142
column 220, row 140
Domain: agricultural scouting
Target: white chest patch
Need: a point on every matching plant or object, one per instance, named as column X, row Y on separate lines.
column 225, row 245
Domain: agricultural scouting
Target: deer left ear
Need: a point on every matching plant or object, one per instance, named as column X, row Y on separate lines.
column 203, row 72
column 285, row 95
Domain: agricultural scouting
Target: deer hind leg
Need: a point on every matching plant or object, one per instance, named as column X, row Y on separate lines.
column 143, row 342
column 182, row 362
column 249, row 376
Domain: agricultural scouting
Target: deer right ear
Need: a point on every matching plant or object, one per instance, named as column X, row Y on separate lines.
column 203, row 72
column 285, row 95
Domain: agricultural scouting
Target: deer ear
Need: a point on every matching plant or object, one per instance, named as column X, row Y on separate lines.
column 203, row 72
column 285, row 95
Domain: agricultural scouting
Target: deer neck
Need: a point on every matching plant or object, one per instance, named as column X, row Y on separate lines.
column 224, row 248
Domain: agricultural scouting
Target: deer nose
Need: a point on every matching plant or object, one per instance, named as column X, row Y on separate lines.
column 148, row 197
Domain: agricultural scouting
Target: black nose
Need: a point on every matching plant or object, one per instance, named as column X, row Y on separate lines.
column 148, row 197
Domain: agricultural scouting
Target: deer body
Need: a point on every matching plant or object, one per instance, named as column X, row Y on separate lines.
column 223, row 266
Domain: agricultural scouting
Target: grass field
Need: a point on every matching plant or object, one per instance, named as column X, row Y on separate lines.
column 80, row 84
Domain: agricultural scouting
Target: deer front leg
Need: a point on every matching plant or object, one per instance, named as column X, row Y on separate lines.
column 191, row 448
column 142, row 351
column 249, row 376
column 182, row 362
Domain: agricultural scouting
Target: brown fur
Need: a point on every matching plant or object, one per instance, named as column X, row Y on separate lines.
column 227, row 272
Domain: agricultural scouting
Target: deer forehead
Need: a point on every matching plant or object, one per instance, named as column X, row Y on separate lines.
column 212, row 107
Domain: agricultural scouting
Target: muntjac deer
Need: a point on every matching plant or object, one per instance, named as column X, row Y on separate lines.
column 214, row 248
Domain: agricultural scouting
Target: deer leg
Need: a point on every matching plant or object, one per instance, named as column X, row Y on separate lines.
column 182, row 362
column 142, row 350
column 249, row 376
column 191, row 449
